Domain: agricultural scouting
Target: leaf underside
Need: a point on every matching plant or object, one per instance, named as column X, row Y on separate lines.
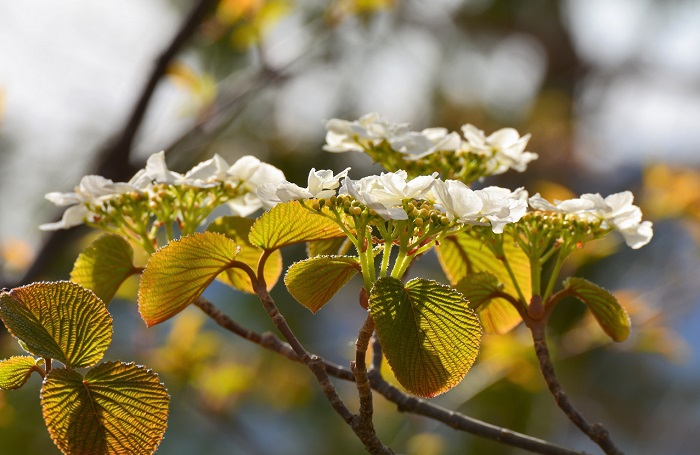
column 461, row 255
column 179, row 272
column 59, row 320
column 313, row 282
column 116, row 408
column 104, row 266
column 428, row 333
column 611, row 316
column 15, row 371
column 289, row 223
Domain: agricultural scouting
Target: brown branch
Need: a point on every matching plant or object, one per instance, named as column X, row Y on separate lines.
column 363, row 422
column 267, row 339
column 114, row 160
column 595, row 431
column 405, row 402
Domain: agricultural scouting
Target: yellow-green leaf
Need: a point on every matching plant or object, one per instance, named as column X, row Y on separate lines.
column 116, row 409
column 289, row 223
column 237, row 228
column 104, row 266
column 461, row 255
column 328, row 247
column 15, row 371
column 479, row 288
column 179, row 272
column 611, row 317
column 314, row 281
column 60, row 320
column 428, row 333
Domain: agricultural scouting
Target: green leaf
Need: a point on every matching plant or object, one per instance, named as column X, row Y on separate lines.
column 179, row 272
column 611, row 317
column 237, row 229
column 428, row 333
column 328, row 247
column 461, row 255
column 15, row 371
column 314, row 281
column 60, row 320
column 289, row 223
column 104, row 266
column 117, row 408
column 479, row 288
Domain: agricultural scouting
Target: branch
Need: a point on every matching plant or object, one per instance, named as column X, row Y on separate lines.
column 596, row 431
column 405, row 402
column 461, row 422
column 114, row 160
column 363, row 422
column 267, row 340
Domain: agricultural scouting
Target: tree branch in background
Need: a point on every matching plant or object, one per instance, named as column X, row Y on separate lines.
column 113, row 161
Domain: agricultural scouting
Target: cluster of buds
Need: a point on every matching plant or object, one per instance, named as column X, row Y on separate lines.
column 157, row 197
column 467, row 157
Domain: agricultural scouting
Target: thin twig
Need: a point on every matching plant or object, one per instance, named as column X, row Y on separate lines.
column 364, row 422
column 267, row 339
column 595, row 431
column 405, row 402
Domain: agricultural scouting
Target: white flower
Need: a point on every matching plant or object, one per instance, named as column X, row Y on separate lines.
column 322, row 184
column 250, row 173
column 386, row 193
column 430, row 140
column 344, row 136
column 614, row 212
column 208, row 173
column 494, row 205
column 92, row 189
column 505, row 148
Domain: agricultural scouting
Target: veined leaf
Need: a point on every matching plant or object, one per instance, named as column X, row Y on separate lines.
column 479, row 288
column 428, row 333
column 179, row 272
column 15, row 371
column 117, row 408
column 60, row 320
column 289, row 223
column 237, row 228
column 314, row 281
column 462, row 254
column 104, row 266
column 611, row 317
column 330, row 247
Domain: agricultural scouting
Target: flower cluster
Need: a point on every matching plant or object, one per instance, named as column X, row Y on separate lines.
column 388, row 195
column 156, row 196
column 615, row 212
column 395, row 146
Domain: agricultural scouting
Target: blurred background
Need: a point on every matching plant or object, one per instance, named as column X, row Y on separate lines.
column 609, row 90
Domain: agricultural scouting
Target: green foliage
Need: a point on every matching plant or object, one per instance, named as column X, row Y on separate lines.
column 116, row 408
column 461, row 255
column 479, row 288
column 611, row 317
column 15, row 371
column 328, row 247
column 429, row 334
column 313, row 282
column 237, row 228
column 104, row 266
column 289, row 223
column 60, row 320
column 179, row 272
